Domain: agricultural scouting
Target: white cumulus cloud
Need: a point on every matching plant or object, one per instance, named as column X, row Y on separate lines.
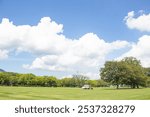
column 3, row 54
column 53, row 50
column 140, row 50
column 38, row 39
column 86, row 54
column 141, row 22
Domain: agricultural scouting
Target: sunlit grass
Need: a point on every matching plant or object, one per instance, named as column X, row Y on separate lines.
column 48, row 93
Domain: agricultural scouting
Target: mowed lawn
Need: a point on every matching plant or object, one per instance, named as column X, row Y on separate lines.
column 48, row 93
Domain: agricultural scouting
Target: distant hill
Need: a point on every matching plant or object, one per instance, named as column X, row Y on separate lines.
column 1, row 70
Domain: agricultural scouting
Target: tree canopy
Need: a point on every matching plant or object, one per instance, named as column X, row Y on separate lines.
column 16, row 79
column 127, row 72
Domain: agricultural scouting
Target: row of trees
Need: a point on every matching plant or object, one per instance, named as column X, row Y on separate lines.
column 127, row 72
column 15, row 79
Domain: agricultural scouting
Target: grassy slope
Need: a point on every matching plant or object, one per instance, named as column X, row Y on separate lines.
column 46, row 93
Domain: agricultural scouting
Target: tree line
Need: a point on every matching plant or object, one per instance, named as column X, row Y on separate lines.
column 127, row 72
column 16, row 79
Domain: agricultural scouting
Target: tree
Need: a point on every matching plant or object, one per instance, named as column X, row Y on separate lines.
column 80, row 80
column 50, row 81
column 114, row 72
column 132, row 61
column 67, row 82
column 2, row 78
column 128, row 71
column 102, row 83
column 92, row 83
column 147, row 73
column 136, row 76
column 26, row 79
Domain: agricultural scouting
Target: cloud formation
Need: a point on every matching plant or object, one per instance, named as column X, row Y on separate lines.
column 54, row 51
column 3, row 54
column 141, row 23
column 87, row 52
column 36, row 39
column 140, row 50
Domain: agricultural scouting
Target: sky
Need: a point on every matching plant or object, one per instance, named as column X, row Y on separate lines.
column 66, row 37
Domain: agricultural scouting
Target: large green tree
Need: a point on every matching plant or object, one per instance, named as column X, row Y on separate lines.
column 136, row 76
column 114, row 72
column 128, row 71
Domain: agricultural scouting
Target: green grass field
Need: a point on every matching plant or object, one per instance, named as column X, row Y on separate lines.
column 47, row 93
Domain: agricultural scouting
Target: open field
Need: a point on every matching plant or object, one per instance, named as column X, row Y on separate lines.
column 47, row 93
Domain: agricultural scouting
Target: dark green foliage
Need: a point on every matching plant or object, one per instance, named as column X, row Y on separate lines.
column 147, row 73
column 15, row 79
column 128, row 72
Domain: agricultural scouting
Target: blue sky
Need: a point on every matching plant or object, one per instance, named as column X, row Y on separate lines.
column 104, row 18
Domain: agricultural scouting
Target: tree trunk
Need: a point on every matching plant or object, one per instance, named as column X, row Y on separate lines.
column 133, row 86
column 137, row 86
column 117, row 86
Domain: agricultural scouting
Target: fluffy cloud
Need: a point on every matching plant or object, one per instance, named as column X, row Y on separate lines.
column 41, row 38
column 53, row 50
column 3, row 54
column 141, row 22
column 140, row 50
column 86, row 55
